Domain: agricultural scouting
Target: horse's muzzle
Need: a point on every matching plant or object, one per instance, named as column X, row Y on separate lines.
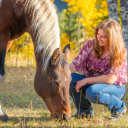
column 64, row 116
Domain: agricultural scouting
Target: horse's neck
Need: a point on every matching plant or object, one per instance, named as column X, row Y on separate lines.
column 44, row 28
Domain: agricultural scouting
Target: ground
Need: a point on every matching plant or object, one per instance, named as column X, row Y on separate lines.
column 26, row 109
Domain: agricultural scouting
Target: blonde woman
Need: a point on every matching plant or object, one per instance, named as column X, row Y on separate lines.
column 102, row 66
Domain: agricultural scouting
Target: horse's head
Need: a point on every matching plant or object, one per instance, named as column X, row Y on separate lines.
column 53, row 87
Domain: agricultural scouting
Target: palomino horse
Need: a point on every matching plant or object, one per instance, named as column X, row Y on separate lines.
column 39, row 19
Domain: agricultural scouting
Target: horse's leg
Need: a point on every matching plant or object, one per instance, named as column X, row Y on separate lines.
column 3, row 50
column 3, row 47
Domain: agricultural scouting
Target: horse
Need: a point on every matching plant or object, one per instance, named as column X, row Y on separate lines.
column 52, row 78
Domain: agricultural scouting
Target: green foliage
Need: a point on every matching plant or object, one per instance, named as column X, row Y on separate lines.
column 69, row 24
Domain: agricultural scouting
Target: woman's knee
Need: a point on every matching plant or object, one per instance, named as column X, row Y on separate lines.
column 95, row 95
column 91, row 95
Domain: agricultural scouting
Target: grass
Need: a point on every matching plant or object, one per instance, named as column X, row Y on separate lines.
column 27, row 110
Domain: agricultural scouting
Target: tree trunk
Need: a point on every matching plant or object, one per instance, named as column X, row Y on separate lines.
column 113, row 10
column 79, row 47
column 28, row 56
column 124, row 17
column 17, row 53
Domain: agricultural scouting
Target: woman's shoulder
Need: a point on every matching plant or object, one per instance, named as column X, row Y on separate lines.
column 89, row 43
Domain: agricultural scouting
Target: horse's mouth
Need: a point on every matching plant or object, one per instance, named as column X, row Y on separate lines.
column 65, row 117
column 61, row 117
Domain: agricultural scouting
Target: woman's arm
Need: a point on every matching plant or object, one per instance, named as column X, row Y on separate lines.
column 106, row 79
column 72, row 67
column 79, row 61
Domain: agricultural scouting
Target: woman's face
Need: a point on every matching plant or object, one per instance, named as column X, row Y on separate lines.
column 102, row 38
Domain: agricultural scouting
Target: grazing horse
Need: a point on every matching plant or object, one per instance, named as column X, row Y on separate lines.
column 52, row 78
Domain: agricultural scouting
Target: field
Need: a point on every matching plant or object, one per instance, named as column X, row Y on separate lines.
column 27, row 110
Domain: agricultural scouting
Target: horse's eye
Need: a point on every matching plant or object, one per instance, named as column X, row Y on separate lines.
column 56, row 82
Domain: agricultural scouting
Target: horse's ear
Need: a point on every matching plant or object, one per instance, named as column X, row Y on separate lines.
column 66, row 50
column 55, row 57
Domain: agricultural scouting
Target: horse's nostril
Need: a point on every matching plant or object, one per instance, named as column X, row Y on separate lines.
column 65, row 117
column 55, row 115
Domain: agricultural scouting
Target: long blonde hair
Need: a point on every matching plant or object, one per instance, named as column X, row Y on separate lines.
column 116, row 42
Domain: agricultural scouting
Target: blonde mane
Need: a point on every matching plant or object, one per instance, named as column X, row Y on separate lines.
column 45, row 24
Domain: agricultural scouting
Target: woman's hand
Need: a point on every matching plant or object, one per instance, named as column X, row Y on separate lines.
column 79, row 84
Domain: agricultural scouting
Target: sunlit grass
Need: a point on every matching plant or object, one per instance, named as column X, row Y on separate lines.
column 26, row 109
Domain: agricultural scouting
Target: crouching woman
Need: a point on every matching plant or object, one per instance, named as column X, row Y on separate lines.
column 102, row 67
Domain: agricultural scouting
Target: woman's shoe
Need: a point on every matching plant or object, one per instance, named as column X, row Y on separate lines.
column 118, row 115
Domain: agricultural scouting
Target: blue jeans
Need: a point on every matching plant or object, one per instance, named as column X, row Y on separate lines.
column 110, row 95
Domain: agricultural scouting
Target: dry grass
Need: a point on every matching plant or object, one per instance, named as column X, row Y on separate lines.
column 26, row 109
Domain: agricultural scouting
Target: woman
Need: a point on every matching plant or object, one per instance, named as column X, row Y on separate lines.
column 102, row 66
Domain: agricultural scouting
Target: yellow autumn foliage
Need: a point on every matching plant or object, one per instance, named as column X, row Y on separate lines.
column 91, row 14
column 24, row 46
column 64, row 39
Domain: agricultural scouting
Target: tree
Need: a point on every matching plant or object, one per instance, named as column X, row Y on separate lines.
column 124, row 17
column 68, row 24
column 24, row 46
column 113, row 10
column 69, row 27
column 92, row 11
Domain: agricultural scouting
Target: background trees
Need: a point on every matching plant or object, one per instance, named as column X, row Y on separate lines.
column 77, row 24
column 89, row 14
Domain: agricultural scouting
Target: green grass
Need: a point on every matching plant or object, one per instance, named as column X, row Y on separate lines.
column 27, row 110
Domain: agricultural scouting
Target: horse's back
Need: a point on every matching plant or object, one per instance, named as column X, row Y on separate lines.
column 12, row 18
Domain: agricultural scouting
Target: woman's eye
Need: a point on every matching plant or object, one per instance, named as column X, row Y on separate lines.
column 98, row 35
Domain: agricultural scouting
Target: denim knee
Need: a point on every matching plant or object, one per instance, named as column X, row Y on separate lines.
column 91, row 96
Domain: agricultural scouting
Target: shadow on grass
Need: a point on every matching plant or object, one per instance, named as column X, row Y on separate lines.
column 27, row 119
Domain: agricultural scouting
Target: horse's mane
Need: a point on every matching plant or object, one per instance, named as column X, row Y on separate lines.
column 45, row 24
